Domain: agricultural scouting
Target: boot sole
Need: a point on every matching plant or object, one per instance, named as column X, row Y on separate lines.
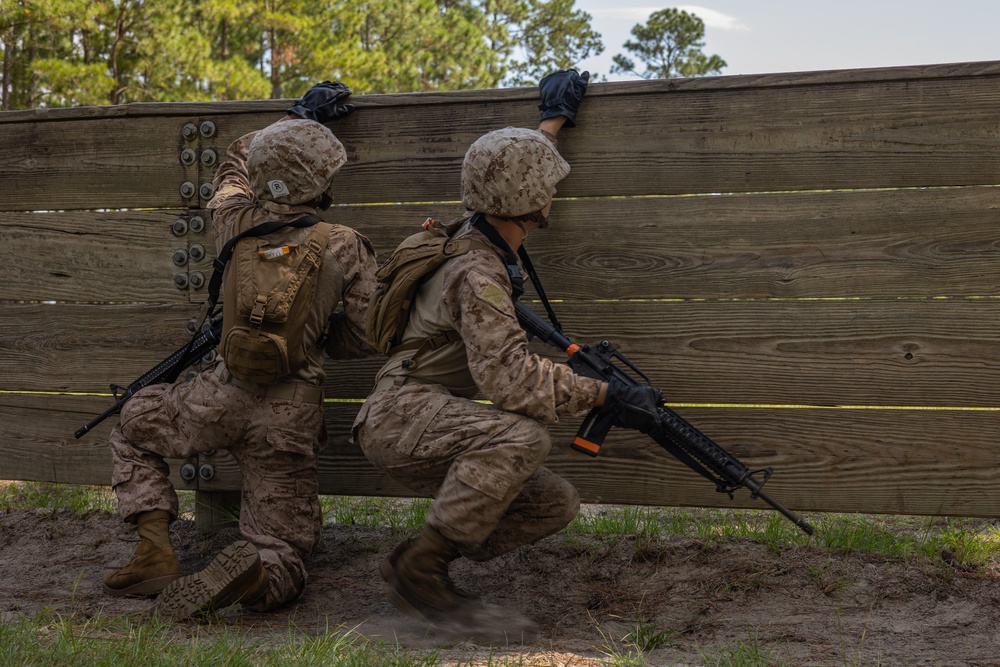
column 147, row 588
column 214, row 587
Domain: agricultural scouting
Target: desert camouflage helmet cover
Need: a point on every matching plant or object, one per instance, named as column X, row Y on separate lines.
column 294, row 161
column 511, row 172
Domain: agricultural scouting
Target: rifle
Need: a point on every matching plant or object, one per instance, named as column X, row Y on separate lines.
column 672, row 432
column 165, row 371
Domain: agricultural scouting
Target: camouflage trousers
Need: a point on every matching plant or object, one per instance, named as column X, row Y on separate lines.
column 482, row 465
column 275, row 441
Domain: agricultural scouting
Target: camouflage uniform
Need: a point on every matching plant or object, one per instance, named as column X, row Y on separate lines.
column 482, row 463
column 276, row 441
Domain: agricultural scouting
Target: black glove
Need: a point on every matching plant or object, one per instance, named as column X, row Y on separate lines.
column 561, row 93
column 632, row 405
column 322, row 102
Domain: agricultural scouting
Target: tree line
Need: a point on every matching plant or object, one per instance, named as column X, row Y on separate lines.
column 58, row 53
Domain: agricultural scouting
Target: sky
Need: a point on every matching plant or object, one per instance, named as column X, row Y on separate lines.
column 769, row 36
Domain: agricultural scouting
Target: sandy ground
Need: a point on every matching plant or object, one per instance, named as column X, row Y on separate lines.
column 804, row 607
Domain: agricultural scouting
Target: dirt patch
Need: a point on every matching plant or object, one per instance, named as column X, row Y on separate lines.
column 585, row 594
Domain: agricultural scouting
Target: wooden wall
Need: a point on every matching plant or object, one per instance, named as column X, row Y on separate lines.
column 807, row 264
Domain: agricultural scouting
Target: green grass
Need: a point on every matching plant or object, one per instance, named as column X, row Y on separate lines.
column 742, row 653
column 43, row 495
column 78, row 498
column 959, row 541
column 52, row 639
column 402, row 515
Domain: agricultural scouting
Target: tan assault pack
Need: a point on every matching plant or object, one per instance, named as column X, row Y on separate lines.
column 268, row 297
column 401, row 275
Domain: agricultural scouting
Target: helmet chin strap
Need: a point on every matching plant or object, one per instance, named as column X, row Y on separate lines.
column 524, row 230
column 541, row 220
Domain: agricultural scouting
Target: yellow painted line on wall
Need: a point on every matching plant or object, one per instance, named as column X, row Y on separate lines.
column 51, row 393
column 765, row 299
column 687, row 195
column 713, row 406
column 787, row 406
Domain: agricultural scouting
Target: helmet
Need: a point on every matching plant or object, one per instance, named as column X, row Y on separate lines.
column 511, row 172
column 294, row 161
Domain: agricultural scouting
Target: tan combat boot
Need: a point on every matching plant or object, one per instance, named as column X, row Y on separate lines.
column 154, row 564
column 419, row 583
column 235, row 575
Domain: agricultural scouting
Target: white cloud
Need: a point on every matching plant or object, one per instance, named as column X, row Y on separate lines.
column 640, row 14
column 714, row 19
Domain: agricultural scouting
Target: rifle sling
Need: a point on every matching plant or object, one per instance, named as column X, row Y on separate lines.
column 513, row 270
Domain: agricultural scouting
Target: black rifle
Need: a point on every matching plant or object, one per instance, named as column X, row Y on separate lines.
column 688, row 444
column 165, row 371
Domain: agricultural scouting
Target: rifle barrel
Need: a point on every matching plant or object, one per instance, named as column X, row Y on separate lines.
column 718, row 461
column 176, row 362
column 789, row 514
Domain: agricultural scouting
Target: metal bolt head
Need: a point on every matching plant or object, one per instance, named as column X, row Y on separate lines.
column 197, row 252
column 187, row 189
column 206, row 471
column 197, row 279
column 188, row 156
column 208, row 357
column 207, row 190
column 208, row 157
column 180, row 280
column 189, row 131
column 189, row 327
column 207, row 129
column 188, row 472
column 180, row 257
column 197, row 224
column 180, row 227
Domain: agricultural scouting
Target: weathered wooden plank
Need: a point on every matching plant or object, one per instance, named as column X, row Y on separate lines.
column 95, row 163
column 911, row 352
column 80, row 347
column 93, row 257
column 36, row 437
column 824, row 460
column 837, row 135
column 921, row 462
column 934, row 242
column 812, row 133
column 935, row 352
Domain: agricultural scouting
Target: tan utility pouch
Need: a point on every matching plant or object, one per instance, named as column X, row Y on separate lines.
column 268, row 297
